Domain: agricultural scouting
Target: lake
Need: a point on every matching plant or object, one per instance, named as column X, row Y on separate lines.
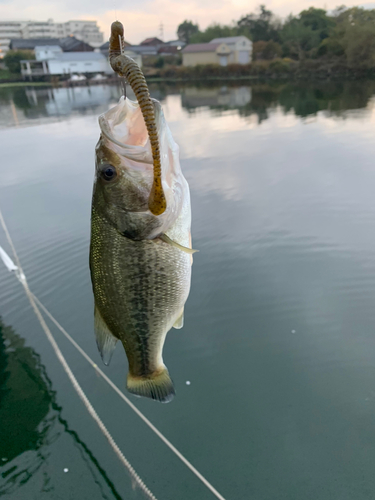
column 279, row 336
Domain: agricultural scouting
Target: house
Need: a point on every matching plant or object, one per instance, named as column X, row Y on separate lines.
column 45, row 52
column 176, row 43
column 31, row 43
column 241, row 48
column 145, row 50
column 136, row 57
column 72, row 44
column 168, row 50
column 223, row 51
column 78, row 62
column 153, row 41
column 104, row 49
column 66, row 63
column 68, row 44
column 205, row 53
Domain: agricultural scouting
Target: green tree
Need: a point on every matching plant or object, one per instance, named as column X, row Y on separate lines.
column 317, row 20
column 13, row 57
column 159, row 63
column 298, row 39
column 214, row 31
column 354, row 37
column 260, row 26
column 266, row 50
column 186, row 30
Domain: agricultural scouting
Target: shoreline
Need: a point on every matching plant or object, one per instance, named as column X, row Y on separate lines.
column 202, row 75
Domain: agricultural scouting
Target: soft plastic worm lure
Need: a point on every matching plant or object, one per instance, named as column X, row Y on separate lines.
column 125, row 66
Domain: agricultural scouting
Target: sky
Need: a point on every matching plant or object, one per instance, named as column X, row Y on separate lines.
column 142, row 19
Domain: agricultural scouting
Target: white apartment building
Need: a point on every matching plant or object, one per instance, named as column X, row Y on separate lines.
column 9, row 30
column 87, row 31
column 39, row 29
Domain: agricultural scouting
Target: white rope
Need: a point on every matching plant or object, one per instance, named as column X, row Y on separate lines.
column 67, row 369
column 107, row 379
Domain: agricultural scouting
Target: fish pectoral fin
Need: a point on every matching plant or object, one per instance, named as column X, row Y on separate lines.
column 179, row 323
column 105, row 341
column 168, row 240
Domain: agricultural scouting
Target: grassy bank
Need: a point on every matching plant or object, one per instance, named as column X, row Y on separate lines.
column 278, row 69
column 25, row 84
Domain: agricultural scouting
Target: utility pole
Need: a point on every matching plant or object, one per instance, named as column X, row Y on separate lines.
column 161, row 31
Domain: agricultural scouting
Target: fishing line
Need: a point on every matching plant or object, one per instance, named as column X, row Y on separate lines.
column 123, row 81
column 22, row 278
column 34, row 301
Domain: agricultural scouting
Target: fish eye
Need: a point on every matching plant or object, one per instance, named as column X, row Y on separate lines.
column 108, row 173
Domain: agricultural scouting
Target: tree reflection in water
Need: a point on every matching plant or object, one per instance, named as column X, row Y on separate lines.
column 31, row 420
column 258, row 98
column 302, row 98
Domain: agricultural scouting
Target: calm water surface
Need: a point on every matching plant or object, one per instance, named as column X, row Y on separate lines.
column 278, row 343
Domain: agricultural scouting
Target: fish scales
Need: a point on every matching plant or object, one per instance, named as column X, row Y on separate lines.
column 152, row 284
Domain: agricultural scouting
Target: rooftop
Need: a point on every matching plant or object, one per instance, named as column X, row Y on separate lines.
column 71, row 43
column 105, row 45
column 79, row 56
column 201, row 47
column 229, row 39
column 152, row 41
column 144, row 49
column 31, row 43
column 168, row 49
column 68, row 44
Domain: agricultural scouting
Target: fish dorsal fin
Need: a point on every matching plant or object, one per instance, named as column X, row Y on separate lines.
column 105, row 341
column 179, row 323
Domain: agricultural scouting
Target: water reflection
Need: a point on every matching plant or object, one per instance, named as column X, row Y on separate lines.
column 335, row 97
column 216, row 98
column 279, row 339
column 302, row 98
column 21, row 105
column 31, row 103
column 31, row 420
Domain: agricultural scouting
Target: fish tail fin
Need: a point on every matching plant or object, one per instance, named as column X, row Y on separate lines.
column 158, row 385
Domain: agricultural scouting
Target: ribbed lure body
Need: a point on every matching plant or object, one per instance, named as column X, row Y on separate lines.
column 125, row 66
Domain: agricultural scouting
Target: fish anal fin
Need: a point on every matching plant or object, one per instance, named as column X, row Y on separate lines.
column 179, row 323
column 157, row 385
column 105, row 341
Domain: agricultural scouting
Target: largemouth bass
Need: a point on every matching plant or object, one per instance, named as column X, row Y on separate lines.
column 140, row 252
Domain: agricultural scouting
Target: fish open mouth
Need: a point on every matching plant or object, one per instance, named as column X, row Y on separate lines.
column 124, row 126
